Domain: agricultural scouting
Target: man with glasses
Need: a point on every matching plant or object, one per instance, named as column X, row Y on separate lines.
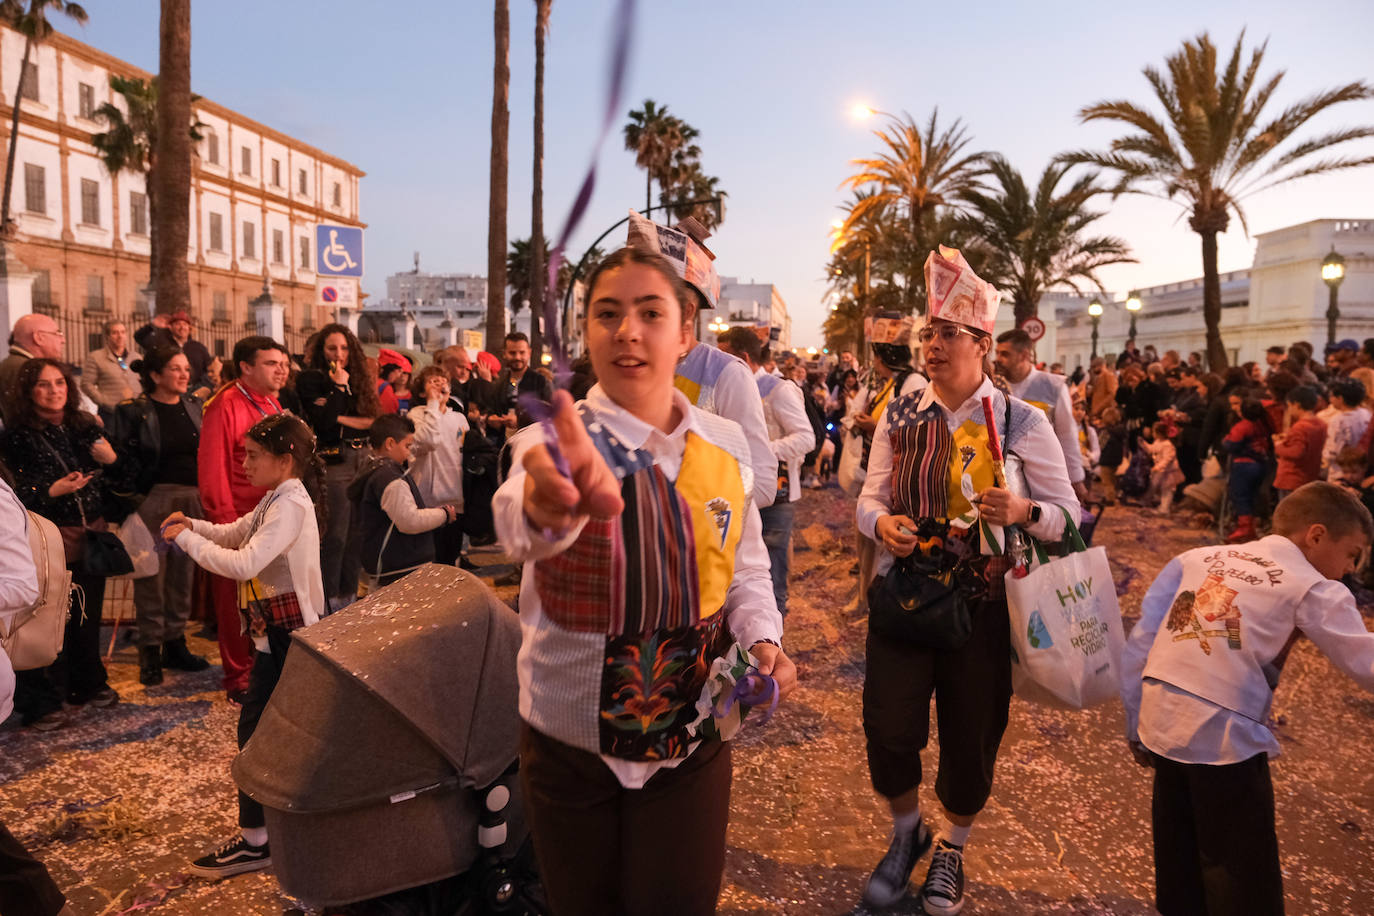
column 105, row 376
column 33, row 337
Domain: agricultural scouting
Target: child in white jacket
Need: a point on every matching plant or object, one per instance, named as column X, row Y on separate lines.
column 1165, row 474
column 274, row 553
column 437, row 462
column 1198, row 678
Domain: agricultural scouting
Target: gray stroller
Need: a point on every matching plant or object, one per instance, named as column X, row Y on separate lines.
column 386, row 758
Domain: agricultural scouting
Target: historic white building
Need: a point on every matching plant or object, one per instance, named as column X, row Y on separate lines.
column 1280, row 299
column 754, row 305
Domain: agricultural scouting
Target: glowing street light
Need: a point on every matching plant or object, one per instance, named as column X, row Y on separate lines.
column 1133, row 305
column 1095, row 310
column 1333, row 272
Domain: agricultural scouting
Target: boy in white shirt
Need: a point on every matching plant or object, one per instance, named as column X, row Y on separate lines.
column 1198, row 675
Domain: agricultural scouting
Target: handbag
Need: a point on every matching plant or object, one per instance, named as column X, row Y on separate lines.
column 1066, row 633
column 91, row 548
column 915, row 604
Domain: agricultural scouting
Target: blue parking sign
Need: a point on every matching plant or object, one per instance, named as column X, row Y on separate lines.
column 338, row 250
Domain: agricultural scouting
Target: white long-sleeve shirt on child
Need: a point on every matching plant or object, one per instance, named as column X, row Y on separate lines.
column 1199, row 669
column 278, row 544
column 437, row 456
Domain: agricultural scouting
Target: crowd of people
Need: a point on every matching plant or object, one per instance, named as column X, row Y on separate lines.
column 284, row 486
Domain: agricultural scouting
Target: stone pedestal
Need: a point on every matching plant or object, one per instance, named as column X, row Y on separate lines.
column 403, row 330
column 16, row 290
column 269, row 314
column 348, row 318
column 448, row 333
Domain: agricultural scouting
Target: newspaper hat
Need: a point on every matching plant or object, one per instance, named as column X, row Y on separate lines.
column 681, row 245
column 955, row 293
column 889, row 328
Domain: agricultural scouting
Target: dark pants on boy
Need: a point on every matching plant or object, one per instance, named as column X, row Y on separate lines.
column 261, row 682
column 1216, row 850
column 605, row 849
column 776, row 521
column 972, row 690
column 26, row 888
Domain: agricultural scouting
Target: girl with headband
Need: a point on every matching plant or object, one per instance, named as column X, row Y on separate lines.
column 644, row 565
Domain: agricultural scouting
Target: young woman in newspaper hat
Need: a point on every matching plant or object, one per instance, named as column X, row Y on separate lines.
column 930, row 488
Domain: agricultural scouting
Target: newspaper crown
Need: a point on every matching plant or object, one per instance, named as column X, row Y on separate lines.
column 681, row 245
column 955, row 293
column 889, row 328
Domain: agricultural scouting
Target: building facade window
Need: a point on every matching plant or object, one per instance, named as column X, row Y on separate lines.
column 95, row 293
column 42, row 287
column 85, row 101
column 247, row 166
column 278, row 247
column 250, row 240
column 338, row 194
column 276, row 173
column 216, row 232
column 30, row 82
column 301, row 182
column 138, row 213
column 35, row 188
column 220, row 311
column 90, row 202
column 212, row 147
column 305, row 253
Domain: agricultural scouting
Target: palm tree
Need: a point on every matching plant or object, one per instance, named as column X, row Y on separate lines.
column 537, row 281
column 172, row 153
column 1210, row 149
column 33, row 24
column 922, row 173
column 654, row 135
column 500, row 163
column 130, row 142
column 524, row 280
column 1036, row 242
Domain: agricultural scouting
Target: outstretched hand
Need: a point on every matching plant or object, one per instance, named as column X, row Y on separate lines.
column 775, row 663
column 554, row 502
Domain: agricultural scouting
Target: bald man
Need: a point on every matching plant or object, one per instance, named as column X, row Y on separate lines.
column 33, row 337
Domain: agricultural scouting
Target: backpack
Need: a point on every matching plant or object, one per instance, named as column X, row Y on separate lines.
column 33, row 637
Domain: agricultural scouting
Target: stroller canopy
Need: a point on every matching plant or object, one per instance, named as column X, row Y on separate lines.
column 410, row 689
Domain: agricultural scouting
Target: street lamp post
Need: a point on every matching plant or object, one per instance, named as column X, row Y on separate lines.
column 1133, row 305
column 1333, row 272
column 1095, row 310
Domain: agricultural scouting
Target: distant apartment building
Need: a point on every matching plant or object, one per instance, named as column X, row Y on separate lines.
column 755, row 305
column 256, row 197
column 432, row 309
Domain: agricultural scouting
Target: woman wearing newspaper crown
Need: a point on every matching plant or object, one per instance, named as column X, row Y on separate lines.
column 933, row 495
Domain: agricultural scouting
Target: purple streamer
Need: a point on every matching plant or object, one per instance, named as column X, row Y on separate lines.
column 754, row 689
column 620, row 53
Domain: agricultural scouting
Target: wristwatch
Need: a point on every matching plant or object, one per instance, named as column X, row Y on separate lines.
column 1034, row 513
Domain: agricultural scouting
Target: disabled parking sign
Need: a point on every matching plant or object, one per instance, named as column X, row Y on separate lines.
column 338, row 250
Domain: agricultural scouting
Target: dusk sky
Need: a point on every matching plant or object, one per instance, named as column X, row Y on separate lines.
column 404, row 92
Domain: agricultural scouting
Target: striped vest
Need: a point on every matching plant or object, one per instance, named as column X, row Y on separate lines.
column 632, row 609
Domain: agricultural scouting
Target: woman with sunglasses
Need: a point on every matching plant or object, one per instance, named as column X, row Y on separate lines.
column 929, row 491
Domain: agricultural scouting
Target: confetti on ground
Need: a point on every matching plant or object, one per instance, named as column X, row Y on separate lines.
column 119, row 803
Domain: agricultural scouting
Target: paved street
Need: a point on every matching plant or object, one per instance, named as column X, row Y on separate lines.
column 118, row 804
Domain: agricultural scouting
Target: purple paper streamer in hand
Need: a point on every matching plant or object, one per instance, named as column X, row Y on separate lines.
column 620, row 53
column 754, row 689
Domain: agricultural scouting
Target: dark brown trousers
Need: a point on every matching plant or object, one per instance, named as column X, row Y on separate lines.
column 605, row 850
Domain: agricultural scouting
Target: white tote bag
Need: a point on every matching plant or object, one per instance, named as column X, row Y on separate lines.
column 138, row 542
column 1066, row 635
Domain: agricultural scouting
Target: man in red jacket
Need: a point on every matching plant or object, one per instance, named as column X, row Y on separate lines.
column 1299, row 450
column 263, row 366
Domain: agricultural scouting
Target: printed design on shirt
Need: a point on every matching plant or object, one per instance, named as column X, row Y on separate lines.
column 721, row 514
column 650, row 687
column 1207, row 614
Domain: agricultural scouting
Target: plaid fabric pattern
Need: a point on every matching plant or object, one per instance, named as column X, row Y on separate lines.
column 629, row 575
column 282, row 610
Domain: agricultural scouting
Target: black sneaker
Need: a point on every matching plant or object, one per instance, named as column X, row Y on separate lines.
column 889, row 880
column 104, row 697
column 233, row 858
column 943, row 892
